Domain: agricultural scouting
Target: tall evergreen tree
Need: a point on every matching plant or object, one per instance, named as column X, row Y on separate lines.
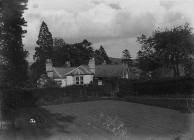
column 43, row 51
column 126, row 58
column 101, row 56
column 11, row 37
column 45, row 44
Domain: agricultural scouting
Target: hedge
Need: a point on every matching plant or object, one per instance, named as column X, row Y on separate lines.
column 184, row 86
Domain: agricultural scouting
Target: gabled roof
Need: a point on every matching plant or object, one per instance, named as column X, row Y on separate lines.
column 100, row 71
column 110, row 70
column 81, row 70
column 62, row 72
column 59, row 72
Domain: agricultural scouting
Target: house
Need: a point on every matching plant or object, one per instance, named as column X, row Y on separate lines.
column 85, row 74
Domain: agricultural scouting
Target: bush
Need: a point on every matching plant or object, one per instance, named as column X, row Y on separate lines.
column 68, row 94
column 184, row 86
column 14, row 99
column 17, row 98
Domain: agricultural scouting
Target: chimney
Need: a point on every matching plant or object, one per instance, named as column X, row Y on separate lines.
column 49, row 68
column 91, row 65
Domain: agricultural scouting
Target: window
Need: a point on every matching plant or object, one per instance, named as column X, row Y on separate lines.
column 79, row 80
column 100, row 82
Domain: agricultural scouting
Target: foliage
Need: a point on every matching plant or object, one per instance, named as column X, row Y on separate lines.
column 60, row 52
column 101, row 56
column 126, row 58
column 45, row 44
column 180, row 86
column 53, row 95
column 80, row 53
column 11, row 42
column 169, row 48
column 42, row 52
column 77, row 54
column 14, row 99
column 46, row 82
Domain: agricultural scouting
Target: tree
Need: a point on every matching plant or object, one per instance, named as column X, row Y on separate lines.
column 101, row 56
column 42, row 52
column 12, row 54
column 169, row 48
column 11, row 42
column 126, row 58
column 60, row 52
column 80, row 53
column 45, row 44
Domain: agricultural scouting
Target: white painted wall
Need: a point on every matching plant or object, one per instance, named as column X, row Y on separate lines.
column 88, row 79
column 70, row 80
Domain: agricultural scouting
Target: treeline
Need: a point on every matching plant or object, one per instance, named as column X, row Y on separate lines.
column 77, row 54
column 61, row 52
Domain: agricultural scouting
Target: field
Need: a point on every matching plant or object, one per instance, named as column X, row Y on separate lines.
column 104, row 120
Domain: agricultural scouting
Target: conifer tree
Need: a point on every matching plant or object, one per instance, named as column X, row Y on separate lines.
column 101, row 56
column 45, row 44
column 11, row 42
column 43, row 51
column 126, row 58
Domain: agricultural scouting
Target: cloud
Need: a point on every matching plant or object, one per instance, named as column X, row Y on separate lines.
column 104, row 21
column 167, row 4
column 115, row 6
column 35, row 6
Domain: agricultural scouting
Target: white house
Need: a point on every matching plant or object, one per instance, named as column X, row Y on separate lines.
column 85, row 74
column 66, row 76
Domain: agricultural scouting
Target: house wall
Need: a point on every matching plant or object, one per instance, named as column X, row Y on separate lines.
column 70, row 80
column 88, row 79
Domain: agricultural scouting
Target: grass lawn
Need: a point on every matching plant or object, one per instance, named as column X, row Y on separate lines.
column 104, row 119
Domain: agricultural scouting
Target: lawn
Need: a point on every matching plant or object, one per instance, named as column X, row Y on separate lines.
column 104, row 120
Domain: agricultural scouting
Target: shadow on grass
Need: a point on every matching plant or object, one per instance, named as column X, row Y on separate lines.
column 180, row 104
column 38, row 123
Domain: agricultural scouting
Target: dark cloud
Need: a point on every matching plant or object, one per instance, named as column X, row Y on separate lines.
column 115, row 6
column 167, row 4
column 35, row 6
column 96, row 2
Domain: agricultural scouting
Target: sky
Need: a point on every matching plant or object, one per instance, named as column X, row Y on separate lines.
column 114, row 24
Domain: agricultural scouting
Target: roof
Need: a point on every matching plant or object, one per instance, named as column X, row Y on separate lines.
column 62, row 72
column 109, row 70
column 81, row 70
column 100, row 71
column 59, row 72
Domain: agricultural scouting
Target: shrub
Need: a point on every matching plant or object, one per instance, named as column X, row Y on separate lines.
column 17, row 98
column 184, row 86
column 14, row 99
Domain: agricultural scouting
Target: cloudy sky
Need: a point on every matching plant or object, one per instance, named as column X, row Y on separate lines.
column 115, row 24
